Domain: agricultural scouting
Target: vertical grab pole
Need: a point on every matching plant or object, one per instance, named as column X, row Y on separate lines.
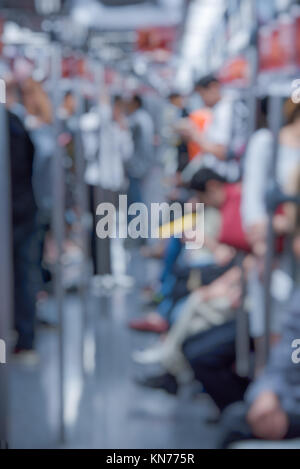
column 58, row 223
column 6, row 275
column 100, row 195
column 242, row 341
column 242, row 344
column 275, row 125
column 82, row 201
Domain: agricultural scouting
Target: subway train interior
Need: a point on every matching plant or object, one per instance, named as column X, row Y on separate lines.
column 150, row 225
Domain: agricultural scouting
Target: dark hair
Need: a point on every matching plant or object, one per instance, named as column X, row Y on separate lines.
column 206, row 81
column 117, row 99
column 295, row 114
column 174, row 95
column 137, row 100
column 203, row 177
column 68, row 94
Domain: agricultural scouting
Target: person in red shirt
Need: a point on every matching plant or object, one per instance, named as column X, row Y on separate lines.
column 215, row 192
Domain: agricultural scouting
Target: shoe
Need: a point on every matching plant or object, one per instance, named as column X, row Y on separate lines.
column 124, row 281
column 165, row 382
column 149, row 356
column 153, row 322
column 28, row 358
column 46, row 324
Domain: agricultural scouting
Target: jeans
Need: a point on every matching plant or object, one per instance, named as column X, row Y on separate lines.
column 234, row 426
column 27, row 282
column 211, row 355
column 134, row 194
column 173, row 250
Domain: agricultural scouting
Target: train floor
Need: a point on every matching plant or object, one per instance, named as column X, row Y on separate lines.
column 107, row 409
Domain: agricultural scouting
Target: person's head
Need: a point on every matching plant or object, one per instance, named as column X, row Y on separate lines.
column 176, row 99
column 210, row 185
column 209, row 89
column 135, row 103
column 36, row 101
column 69, row 103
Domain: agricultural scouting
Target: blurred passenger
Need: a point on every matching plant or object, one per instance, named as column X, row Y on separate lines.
column 177, row 100
column 108, row 147
column 138, row 166
column 38, row 120
column 216, row 194
column 69, row 105
column 25, row 240
column 216, row 140
column 271, row 410
column 214, row 304
column 257, row 172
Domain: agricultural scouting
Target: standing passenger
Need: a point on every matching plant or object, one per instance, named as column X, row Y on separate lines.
column 143, row 138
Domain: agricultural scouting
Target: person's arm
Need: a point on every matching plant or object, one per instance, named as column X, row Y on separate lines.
column 125, row 144
column 256, row 167
column 216, row 149
column 190, row 132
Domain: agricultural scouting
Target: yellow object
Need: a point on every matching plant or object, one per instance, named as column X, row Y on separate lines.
column 178, row 227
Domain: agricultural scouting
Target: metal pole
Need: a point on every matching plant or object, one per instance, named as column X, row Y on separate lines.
column 101, row 195
column 242, row 341
column 6, row 273
column 242, row 319
column 275, row 126
column 58, row 223
column 83, row 207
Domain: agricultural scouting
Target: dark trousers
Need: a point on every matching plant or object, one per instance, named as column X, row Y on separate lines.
column 234, row 426
column 27, row 282
column 135, row 191
column 211, row 355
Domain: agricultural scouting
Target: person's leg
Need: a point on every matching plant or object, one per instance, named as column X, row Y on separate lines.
column 27, row 280
column 134, row 194
column 234, row 426
column 211, row 355
column 173, row 250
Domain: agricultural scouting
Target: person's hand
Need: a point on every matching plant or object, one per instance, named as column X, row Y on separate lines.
column 266, row 418
column 282, row 224
column 186, row 129
column 257, row 232
column 224, row 254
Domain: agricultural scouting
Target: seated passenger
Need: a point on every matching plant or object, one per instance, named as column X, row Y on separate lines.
column 226, row 198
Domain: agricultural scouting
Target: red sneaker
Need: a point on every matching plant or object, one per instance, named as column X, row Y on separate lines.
column 153, row 322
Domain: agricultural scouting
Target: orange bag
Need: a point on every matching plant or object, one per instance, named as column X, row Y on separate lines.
column 202, row 118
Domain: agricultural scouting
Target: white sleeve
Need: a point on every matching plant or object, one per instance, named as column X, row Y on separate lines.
column 126, row 145
column 220, row 131
column 256, row 169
